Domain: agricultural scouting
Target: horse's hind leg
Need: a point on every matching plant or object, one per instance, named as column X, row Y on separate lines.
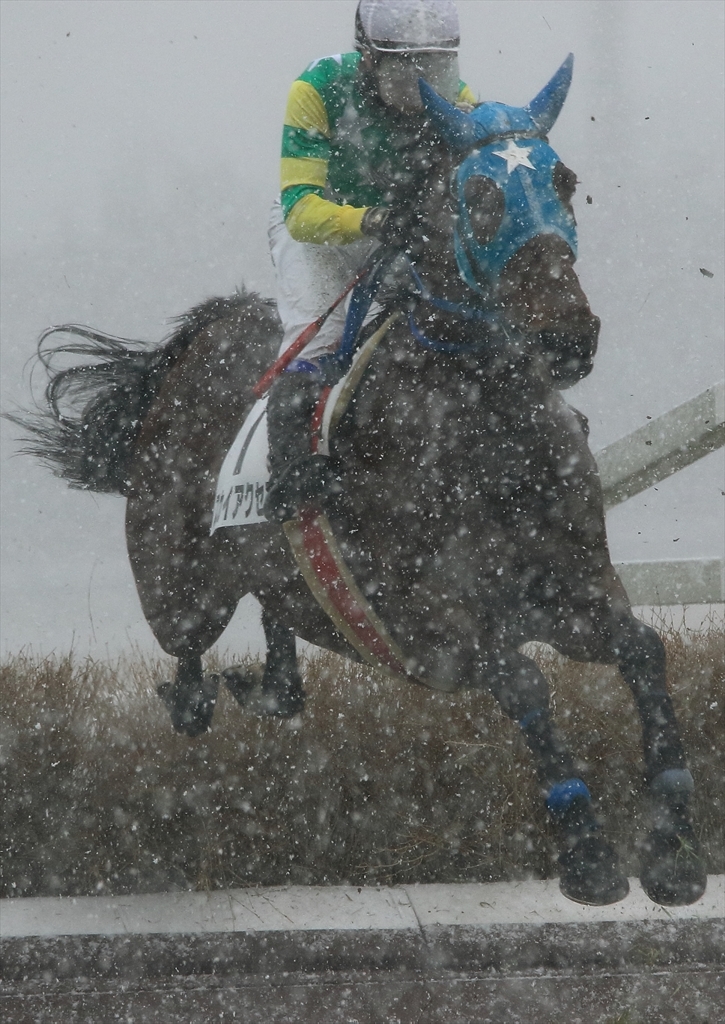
column 188, row 588
column 282, row 691
column 282, row 682
column 589, row 870
column 672, row 868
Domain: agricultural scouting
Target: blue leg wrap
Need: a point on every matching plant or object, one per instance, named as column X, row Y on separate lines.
column 562, row 795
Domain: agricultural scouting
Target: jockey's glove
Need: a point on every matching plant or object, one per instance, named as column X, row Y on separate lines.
column 390, row 226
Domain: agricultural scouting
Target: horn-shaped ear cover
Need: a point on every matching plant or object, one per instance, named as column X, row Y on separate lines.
column 546, row 106
column 457, row 129
column 463, row 132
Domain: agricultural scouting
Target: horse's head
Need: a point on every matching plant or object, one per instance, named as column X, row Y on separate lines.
column 513, row 228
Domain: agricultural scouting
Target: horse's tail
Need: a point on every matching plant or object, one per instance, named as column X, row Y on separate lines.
column 92, row 413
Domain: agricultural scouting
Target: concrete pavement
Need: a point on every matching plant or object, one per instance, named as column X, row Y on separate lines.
column 427, row 954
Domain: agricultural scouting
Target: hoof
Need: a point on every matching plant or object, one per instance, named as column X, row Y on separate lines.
column 241, row 682
column 274, row 697
column 283, row 698
column 590, row 873
column 191, row 706
column 672, row 869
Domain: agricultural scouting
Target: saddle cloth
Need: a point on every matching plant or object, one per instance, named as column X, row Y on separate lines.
column 242, row 485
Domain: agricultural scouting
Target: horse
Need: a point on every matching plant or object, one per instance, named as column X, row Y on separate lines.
column 469, row 503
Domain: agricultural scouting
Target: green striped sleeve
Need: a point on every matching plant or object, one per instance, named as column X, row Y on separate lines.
column 293, row 194
column 296, row 142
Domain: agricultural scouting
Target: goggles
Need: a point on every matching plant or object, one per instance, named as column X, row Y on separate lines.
column 397, row 77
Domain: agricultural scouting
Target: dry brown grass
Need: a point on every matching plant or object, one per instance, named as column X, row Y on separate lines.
column 377, row 783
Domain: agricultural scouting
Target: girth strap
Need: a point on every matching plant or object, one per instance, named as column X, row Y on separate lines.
column 333, row 586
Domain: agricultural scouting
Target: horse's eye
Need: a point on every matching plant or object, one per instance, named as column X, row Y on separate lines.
column 565, row 182
column 486, row 206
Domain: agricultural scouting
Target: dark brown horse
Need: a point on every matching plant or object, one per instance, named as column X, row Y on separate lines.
column 470, row 506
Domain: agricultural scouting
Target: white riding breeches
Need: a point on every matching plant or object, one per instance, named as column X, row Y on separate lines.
column 309, row 279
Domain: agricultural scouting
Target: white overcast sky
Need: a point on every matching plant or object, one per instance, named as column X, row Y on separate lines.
column 140, row 144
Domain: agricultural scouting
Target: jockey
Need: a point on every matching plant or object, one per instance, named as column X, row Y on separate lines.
column 352, row 124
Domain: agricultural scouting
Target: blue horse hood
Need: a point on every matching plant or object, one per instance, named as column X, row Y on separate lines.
column 523, row 169
column 500, row 119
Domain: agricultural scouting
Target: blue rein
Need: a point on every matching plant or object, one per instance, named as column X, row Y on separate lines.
column 445, row 347
column 362, row 298
column 464, row 311
column 494, row 320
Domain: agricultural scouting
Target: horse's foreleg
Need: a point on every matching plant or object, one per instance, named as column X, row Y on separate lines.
column 191, row 697
column 640, row 656
column 523, row 693
column 590, row 872
column 672, row 869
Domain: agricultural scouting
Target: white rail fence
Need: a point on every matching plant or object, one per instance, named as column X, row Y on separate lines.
column 631, row 465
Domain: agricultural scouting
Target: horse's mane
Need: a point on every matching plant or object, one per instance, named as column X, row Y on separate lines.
column 93, row 412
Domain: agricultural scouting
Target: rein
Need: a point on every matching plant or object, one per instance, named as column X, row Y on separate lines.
column 434, row 345
column 464, row 311
column 364, row 294
column 366, row 280
column 494, row 320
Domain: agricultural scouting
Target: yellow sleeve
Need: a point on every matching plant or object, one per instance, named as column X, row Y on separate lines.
column 306, row 110
column 302, row 170
column 305, row 138
column 466, row 96
column 314, row 219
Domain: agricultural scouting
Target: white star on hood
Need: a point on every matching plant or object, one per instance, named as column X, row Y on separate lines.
column 515, row 156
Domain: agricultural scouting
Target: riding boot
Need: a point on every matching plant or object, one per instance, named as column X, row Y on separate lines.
column 297, row 475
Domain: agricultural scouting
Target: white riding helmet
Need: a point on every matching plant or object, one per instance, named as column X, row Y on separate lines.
column 408, row 40
column 413, row 26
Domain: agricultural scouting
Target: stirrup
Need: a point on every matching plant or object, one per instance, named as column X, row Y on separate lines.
column 306, row 480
